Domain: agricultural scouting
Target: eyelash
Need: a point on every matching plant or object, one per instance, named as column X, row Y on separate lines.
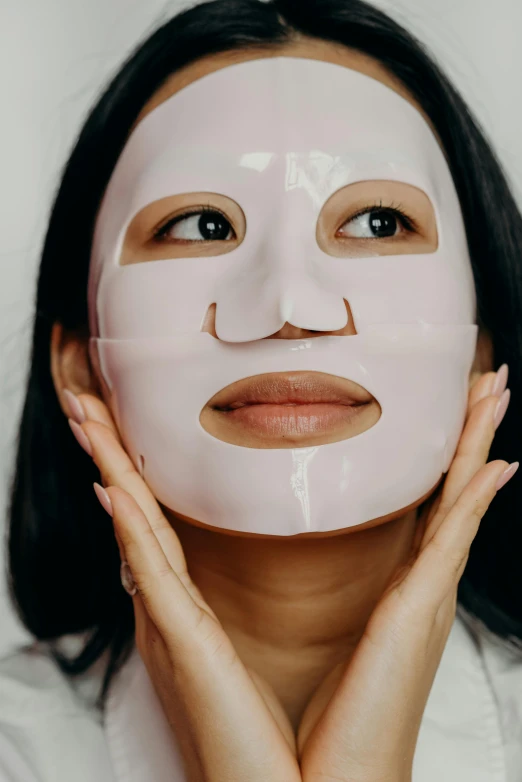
column 407, row 222
column 160, row 232
column 396, row 209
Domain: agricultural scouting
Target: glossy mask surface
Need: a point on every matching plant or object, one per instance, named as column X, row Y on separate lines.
column 274, row 135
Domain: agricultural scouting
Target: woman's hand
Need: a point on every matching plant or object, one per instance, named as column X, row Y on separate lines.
column 362, row 723
column 228, row 722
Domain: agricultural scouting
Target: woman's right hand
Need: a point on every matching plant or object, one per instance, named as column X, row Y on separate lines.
column 229, row 725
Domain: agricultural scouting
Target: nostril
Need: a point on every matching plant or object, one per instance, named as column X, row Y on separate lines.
column 208, row 323
column 349, row 330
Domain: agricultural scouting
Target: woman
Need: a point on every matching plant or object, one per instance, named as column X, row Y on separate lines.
column 298, row 654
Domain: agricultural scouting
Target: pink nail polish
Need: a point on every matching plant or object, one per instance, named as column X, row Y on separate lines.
column 81, row 437
column 502, row 406
column 75, row 406
column 507, row 475
column 105, row 500
column 501, row 380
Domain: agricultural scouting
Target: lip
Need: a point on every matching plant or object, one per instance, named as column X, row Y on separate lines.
column 286, row 409
column 285, row 388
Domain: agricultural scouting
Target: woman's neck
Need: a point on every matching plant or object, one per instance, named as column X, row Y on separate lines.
column 295, row 607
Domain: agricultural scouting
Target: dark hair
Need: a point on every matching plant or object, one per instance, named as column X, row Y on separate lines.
column 64, row 563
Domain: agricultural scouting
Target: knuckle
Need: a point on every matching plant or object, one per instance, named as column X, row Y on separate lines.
column 451, row 559
column 462, row 568
column 158, row 521
column 148, row 582
column 146, row 589
column 186, row 580
column 164, row 572
column 444, row 508
column 479, row 508
column 456, row 562
column 438, row 547
column 128, row 470
column 149, row 538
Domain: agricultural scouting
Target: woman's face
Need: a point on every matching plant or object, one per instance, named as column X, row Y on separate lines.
column 299, row 409
column 282, row 409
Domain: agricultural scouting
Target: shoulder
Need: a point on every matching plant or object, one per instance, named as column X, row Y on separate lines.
column 32, row 685
column 50, row 727
column 502, row 662
column 477, row 697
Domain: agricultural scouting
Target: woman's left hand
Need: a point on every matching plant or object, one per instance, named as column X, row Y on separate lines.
column 362, row 723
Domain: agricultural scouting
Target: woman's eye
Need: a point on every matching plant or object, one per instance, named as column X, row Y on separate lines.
column 374, row 224
column 204, row 226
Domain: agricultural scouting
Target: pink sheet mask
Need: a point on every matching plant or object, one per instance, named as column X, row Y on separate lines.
column 280, row 136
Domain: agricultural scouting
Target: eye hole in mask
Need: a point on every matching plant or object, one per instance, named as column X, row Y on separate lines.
column 362, row 219
column 184, row 226
column 375, row 218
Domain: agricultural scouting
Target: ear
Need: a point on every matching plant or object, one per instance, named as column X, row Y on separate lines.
column 70, row 364
column 484, row 357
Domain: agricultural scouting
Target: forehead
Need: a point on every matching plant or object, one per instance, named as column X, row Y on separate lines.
column 300, row 46
column 256, row 96
column 320, row 109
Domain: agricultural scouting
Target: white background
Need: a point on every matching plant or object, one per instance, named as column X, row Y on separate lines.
column 54, row 57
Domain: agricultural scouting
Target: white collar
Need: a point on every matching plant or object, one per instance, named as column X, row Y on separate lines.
column 460, row 738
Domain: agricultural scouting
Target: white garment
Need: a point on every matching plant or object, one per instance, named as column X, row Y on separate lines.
column 50, row 730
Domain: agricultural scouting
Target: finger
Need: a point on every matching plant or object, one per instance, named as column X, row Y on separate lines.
column 96, row 410
column 481, row 389
column 144, row 628
column 472, row 453
column 164, row 596
column 489, row 384
column 440, row 564
column 117, row 469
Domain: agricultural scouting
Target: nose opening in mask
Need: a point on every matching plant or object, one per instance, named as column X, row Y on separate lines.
column 288, row 330
column 208, row 322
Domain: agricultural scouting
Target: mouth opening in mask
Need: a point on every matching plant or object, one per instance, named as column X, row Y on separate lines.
column 289, row 410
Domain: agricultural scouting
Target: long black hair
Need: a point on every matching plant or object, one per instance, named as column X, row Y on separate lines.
column 63, row 559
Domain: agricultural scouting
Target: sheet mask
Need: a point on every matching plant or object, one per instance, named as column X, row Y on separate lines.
column 279, row 136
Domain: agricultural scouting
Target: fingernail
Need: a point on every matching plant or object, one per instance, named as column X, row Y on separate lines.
column 80, row 436
column 127, row 580
column 502, row 406
column 105, row 500
column 501, row 380
column 75, row 406
column 507, row 475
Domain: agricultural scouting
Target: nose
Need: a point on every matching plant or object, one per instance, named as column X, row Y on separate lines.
column 250, row 309
column 288, row 330
column 280, row 279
